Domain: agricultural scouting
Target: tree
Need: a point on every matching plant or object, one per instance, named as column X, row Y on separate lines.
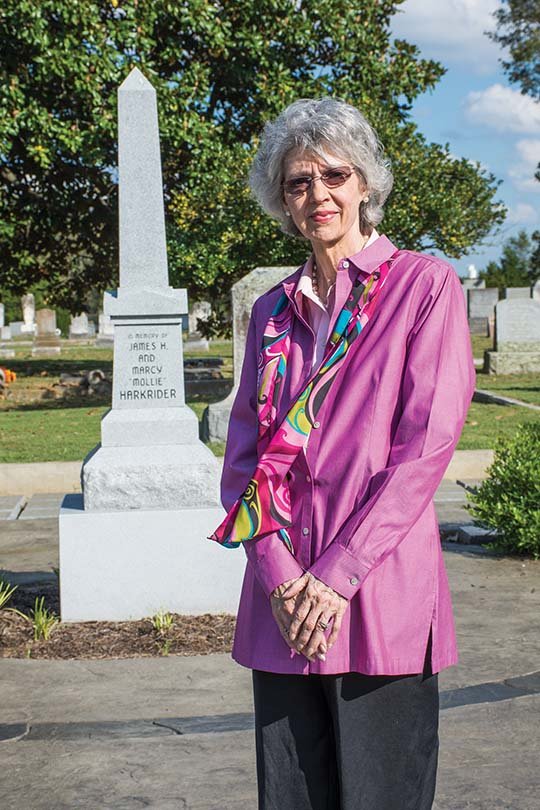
column 518, row 265
column 518, row 29
column 221, row 69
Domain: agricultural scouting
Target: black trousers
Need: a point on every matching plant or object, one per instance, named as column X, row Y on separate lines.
column 346, row 742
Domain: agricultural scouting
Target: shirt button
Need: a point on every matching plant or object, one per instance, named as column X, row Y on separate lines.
column 316, row 424
column 308, row 478
column 353, row 581
column 305, row 530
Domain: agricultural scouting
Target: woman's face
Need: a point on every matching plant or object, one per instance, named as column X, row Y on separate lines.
column 342, row 202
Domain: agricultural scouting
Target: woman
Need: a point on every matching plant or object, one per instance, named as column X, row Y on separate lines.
column 355, row 386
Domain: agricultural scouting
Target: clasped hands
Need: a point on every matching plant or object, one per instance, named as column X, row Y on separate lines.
column 298, row 606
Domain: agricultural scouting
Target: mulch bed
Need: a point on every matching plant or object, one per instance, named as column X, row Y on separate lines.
column 188, row 635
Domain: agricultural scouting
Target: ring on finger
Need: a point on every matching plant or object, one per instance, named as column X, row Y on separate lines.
column 322, row 624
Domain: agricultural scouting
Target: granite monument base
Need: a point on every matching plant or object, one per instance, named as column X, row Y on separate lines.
column 45, row 346
column 196, row 344
column 148, row 477
column 116, row 566
column 511, row 362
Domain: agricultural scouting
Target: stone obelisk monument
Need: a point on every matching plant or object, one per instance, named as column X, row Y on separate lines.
column 136, row 541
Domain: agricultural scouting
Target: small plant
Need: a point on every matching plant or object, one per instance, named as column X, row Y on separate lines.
column 165, row 647
column 42, row 619
column 6, row 591
column 508, row 499
column 162, row 622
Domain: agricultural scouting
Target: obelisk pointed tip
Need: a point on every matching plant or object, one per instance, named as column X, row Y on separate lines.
column 135, row 80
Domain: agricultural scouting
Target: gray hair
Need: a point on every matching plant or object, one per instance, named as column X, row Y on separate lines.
column 312, row 125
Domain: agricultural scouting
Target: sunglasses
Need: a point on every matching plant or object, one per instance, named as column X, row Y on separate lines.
column 332, row 178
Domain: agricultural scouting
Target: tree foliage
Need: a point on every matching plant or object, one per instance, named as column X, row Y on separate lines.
column 519, row 265
column 221, row 68
column 518, row 29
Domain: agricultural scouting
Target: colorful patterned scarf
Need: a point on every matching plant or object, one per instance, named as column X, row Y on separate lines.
column 265, row 505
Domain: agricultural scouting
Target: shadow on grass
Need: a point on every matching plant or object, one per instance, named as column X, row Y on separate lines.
column 203, row 398
column 34, row 366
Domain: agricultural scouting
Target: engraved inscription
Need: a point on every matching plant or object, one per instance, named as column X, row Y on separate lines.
column 149, row 360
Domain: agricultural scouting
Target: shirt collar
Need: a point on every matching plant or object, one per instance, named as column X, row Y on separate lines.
column 365, row 261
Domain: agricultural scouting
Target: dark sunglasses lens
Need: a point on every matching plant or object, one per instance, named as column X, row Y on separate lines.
column 335, row 177
column 298, row 184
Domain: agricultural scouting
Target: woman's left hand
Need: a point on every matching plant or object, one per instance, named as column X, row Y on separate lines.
column 319, row 602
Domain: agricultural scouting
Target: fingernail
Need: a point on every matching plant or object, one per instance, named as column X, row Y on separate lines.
column 321, row 656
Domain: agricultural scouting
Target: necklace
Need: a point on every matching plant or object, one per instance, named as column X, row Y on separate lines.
column 314, row 281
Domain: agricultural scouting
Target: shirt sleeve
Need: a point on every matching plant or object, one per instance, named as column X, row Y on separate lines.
column 271, row 559
column 437, row 387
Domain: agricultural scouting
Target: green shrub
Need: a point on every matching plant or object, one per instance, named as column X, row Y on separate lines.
column 508, row 500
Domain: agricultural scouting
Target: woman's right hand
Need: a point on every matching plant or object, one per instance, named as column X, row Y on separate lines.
column 283, row 611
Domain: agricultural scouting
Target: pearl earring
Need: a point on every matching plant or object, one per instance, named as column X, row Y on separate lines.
column 366, row 199
column 287, row 213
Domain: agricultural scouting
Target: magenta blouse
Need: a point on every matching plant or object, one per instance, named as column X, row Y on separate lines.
column 363, row 518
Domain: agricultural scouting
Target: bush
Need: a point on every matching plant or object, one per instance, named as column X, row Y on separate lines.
column 508, row 500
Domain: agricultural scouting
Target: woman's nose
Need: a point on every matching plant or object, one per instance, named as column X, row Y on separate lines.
column 318, row 190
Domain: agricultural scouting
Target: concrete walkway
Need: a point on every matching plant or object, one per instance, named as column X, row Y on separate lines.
column 177, row 732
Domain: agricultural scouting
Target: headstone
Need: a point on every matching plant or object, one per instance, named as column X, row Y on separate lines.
column 28, row 306
column 78, row 327
column 16, row 328
column 517, row 338
column 517, row 292
column 105, row 334
column 244, row 294
column 535, row 291
column 195, row 341
column 481, row 309
column 5, row 335
column 136, row 542
column 46, row 339
column 472, row 281
column 200, row 310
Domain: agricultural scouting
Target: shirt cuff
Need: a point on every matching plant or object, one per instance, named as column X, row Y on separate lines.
column 340, row 570
column 273, row 562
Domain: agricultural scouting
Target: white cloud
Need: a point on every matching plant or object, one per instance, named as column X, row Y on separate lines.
column 452, row 31
column 522, row 172
column 522, row 213
column 503, row 109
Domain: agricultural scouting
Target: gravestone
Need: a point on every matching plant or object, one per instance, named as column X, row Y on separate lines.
column 535, row 291
column 79, row 326
column 16, row 328
column 28, row 306
column 517, row 292
column 472, row 281
column 46, row 340
column 194, row 340
column 5, row 335
column 481, row 310
column 136, row 541
column 105, row 334
column 517, row 338
column 244, row 294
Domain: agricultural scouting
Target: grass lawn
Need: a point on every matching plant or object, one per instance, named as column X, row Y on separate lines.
column 36, row 429
column 479, row 344
column 525, row 387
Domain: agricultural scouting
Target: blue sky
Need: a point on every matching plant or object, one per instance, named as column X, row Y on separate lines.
column 475, row 109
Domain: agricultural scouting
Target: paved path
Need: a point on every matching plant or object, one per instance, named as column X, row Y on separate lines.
column 178, row 732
